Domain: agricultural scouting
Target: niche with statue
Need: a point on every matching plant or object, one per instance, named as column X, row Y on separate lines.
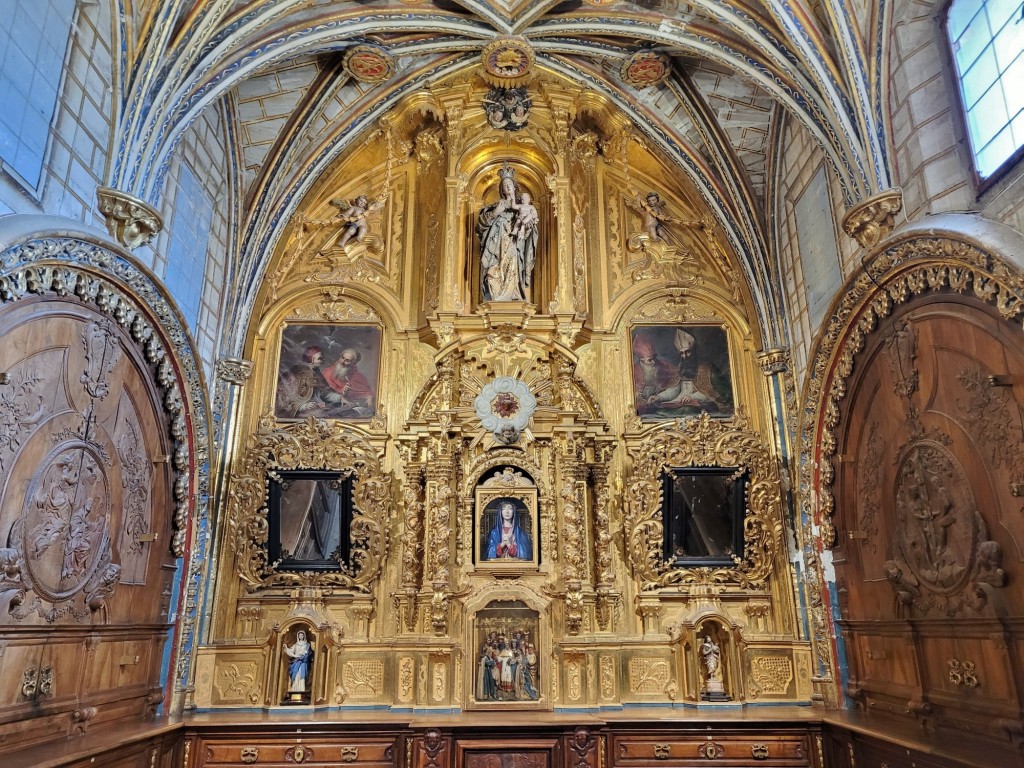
column 297, row 659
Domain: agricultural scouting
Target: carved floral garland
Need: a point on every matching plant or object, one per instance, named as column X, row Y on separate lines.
column 904, row 270
column 310, row 444
column 702, row 442
column 68, row 281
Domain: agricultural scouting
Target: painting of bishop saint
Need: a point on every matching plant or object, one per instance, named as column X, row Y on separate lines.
column 681, row 370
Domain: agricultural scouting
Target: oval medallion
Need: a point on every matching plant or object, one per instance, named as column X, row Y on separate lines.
column 65, row 520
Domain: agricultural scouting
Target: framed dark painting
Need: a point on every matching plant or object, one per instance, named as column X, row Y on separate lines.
column 506, row 528
column 702, row 514
column 681, row 370
column 309, row 516
column 328, row 371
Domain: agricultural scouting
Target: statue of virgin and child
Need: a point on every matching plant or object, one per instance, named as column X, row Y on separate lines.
column 508, row 242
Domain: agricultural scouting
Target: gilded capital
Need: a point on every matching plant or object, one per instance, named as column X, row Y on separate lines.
column 773, row 361
column 871, row 220
column 234, row 370
column 130, row 221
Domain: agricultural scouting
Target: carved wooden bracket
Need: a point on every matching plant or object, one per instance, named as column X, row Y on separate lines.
column 132, row 222
column 871, row 220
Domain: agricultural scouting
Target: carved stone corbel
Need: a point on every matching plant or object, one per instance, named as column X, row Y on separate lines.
column 130, row 221
column 773, row 361
column 234, row 370
column 871, row 220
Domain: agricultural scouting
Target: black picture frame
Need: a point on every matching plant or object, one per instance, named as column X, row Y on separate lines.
column 309, row 517
column 702, row 515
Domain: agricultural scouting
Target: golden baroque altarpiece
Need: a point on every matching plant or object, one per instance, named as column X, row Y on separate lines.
column 617, row 269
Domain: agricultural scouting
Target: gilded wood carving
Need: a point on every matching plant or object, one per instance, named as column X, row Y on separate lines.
column 310, row 444
column 701, row 442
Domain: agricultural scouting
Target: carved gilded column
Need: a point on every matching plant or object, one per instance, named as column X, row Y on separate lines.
column 441, row 503
column 412, row 543
column 454, row 258
column 572, row 492
column 561, row 201
column 607, row 594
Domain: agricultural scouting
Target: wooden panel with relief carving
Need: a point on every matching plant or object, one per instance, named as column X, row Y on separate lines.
column 85, row 506
column 929, row 476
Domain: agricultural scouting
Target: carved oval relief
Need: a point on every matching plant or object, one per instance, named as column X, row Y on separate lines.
column 936, row 517
column 64, row 525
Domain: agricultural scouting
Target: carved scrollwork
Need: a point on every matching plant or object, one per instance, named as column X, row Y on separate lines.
column 310, row 444
column 903, row 271
column 701, row 442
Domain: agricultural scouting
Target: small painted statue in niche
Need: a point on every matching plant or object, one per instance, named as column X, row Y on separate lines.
column 300, row 661
column 353, row 217
column 711, row 655
column 507, row 670
column 508, row 242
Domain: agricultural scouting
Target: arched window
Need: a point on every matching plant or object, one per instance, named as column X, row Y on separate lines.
column 987, row 38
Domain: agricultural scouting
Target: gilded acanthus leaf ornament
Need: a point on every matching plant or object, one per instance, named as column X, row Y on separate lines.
column 310, row 444
column 701, row 442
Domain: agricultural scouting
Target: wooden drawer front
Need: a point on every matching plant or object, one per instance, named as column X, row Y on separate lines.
column 723, row 750
column 372, row 754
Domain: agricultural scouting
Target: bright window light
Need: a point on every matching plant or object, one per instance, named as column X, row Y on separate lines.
column 987, row 37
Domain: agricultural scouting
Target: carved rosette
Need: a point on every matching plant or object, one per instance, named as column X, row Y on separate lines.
column 130, row 221
column 370, row 64
column 310, row 444
column 508, row 61
column 701, row 442
column 871, row 220
column 645, row 68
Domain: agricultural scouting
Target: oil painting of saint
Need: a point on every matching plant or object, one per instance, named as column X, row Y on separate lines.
column 681, row 370
column 329, row 372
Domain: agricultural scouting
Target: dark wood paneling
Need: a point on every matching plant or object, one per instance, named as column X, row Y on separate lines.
column 928, row 485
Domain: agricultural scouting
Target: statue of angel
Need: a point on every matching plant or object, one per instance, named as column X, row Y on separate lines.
column 652, row 208
column 353, row 216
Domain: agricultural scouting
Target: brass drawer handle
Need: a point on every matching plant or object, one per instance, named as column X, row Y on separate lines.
column 759, row 752
column 349, row 754
column 250, row 754
column 662, row 751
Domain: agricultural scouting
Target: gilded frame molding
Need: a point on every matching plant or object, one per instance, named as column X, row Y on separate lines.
column 309, row 444
column 701, row 442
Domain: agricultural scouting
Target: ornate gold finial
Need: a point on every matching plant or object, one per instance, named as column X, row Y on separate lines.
column 234, row 370
column 773, row 361
column 130, row 221
column 871, row 220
